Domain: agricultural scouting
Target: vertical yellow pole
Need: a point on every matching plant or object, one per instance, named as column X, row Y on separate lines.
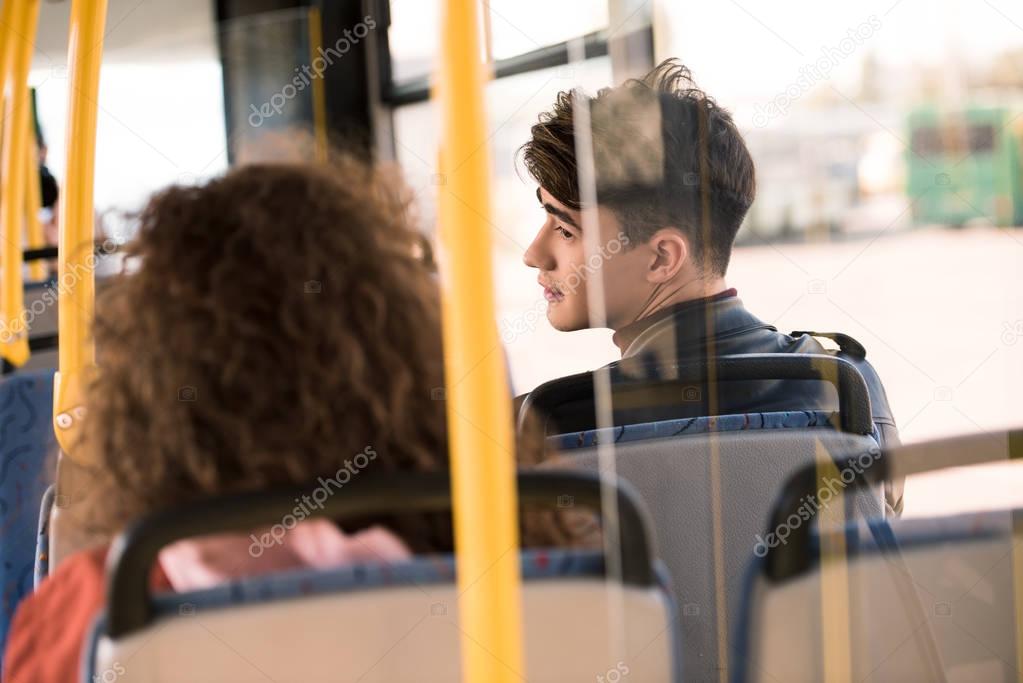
column 836, row 614
column 1015, row 448
column 19, row 37
column 319, row 96
column 478, row 405
column 1017, row 583
column 7, row 39
column 33, row 201
column 76, row 283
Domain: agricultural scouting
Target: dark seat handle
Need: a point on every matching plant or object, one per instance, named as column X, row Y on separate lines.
column 853, row 398
column 135, row 550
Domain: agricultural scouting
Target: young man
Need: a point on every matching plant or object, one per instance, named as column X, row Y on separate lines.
column 673, row 181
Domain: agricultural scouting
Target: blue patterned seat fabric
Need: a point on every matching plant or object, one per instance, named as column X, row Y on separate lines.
column 423, row 570
column 26, row 444
column 794, row 419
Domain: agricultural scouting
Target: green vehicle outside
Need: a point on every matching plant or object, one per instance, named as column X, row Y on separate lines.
column 965, row 165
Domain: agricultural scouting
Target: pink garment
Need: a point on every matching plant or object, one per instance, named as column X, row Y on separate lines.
column 195, row 564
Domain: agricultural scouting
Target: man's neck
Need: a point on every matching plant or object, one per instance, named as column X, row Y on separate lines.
column 624, row 335
column 698, row 289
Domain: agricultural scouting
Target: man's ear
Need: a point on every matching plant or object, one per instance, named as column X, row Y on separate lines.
column 670, row 251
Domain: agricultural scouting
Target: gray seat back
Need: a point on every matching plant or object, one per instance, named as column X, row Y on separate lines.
column 932, row 599
column 287, row 630
column 708, row 541
column 382, row 623
column 941, row 608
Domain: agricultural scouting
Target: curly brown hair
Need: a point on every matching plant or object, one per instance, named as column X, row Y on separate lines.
column 278, row 323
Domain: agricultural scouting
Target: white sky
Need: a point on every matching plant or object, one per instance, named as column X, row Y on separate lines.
column 755, row 47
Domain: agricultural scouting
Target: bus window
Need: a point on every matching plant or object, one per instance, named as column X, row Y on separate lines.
column 927, row 142
column 981, row 138
column 412, row 38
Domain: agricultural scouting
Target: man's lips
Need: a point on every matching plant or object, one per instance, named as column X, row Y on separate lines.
column 550, row 293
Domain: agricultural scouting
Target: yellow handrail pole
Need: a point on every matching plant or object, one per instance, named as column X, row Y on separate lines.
column 478, row 403
column 33, row 201
column 76, row 283
column 319, row 95
column 23, row 19
column 836, row 611
column 7, row 39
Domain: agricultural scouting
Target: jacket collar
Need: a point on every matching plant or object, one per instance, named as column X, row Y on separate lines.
column 686, row 328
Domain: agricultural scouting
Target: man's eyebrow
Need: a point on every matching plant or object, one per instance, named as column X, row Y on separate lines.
column 555, row 211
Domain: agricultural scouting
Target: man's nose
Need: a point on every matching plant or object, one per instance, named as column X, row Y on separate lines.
column 537, row 255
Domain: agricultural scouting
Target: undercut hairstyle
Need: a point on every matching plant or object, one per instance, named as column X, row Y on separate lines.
column 665, row 155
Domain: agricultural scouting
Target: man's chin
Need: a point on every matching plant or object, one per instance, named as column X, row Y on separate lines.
column 564, row 324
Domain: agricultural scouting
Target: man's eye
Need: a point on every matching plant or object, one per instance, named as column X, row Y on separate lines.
column 563, row 232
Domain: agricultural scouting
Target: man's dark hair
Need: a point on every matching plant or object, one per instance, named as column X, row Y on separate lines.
column 665, row 154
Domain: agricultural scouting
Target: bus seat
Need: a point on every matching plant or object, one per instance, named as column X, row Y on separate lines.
column 961, row 628
column 26, row 444
column 647, row 391
column 928, row 599
column 42, row 564
column 750, row 457
column 374, row 622
column 687, row 426
column 674, row 477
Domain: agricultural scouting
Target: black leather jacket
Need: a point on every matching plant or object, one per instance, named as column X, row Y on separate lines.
column 721, row 326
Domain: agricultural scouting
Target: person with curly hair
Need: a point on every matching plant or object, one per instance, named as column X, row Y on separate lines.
column 272, row 326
